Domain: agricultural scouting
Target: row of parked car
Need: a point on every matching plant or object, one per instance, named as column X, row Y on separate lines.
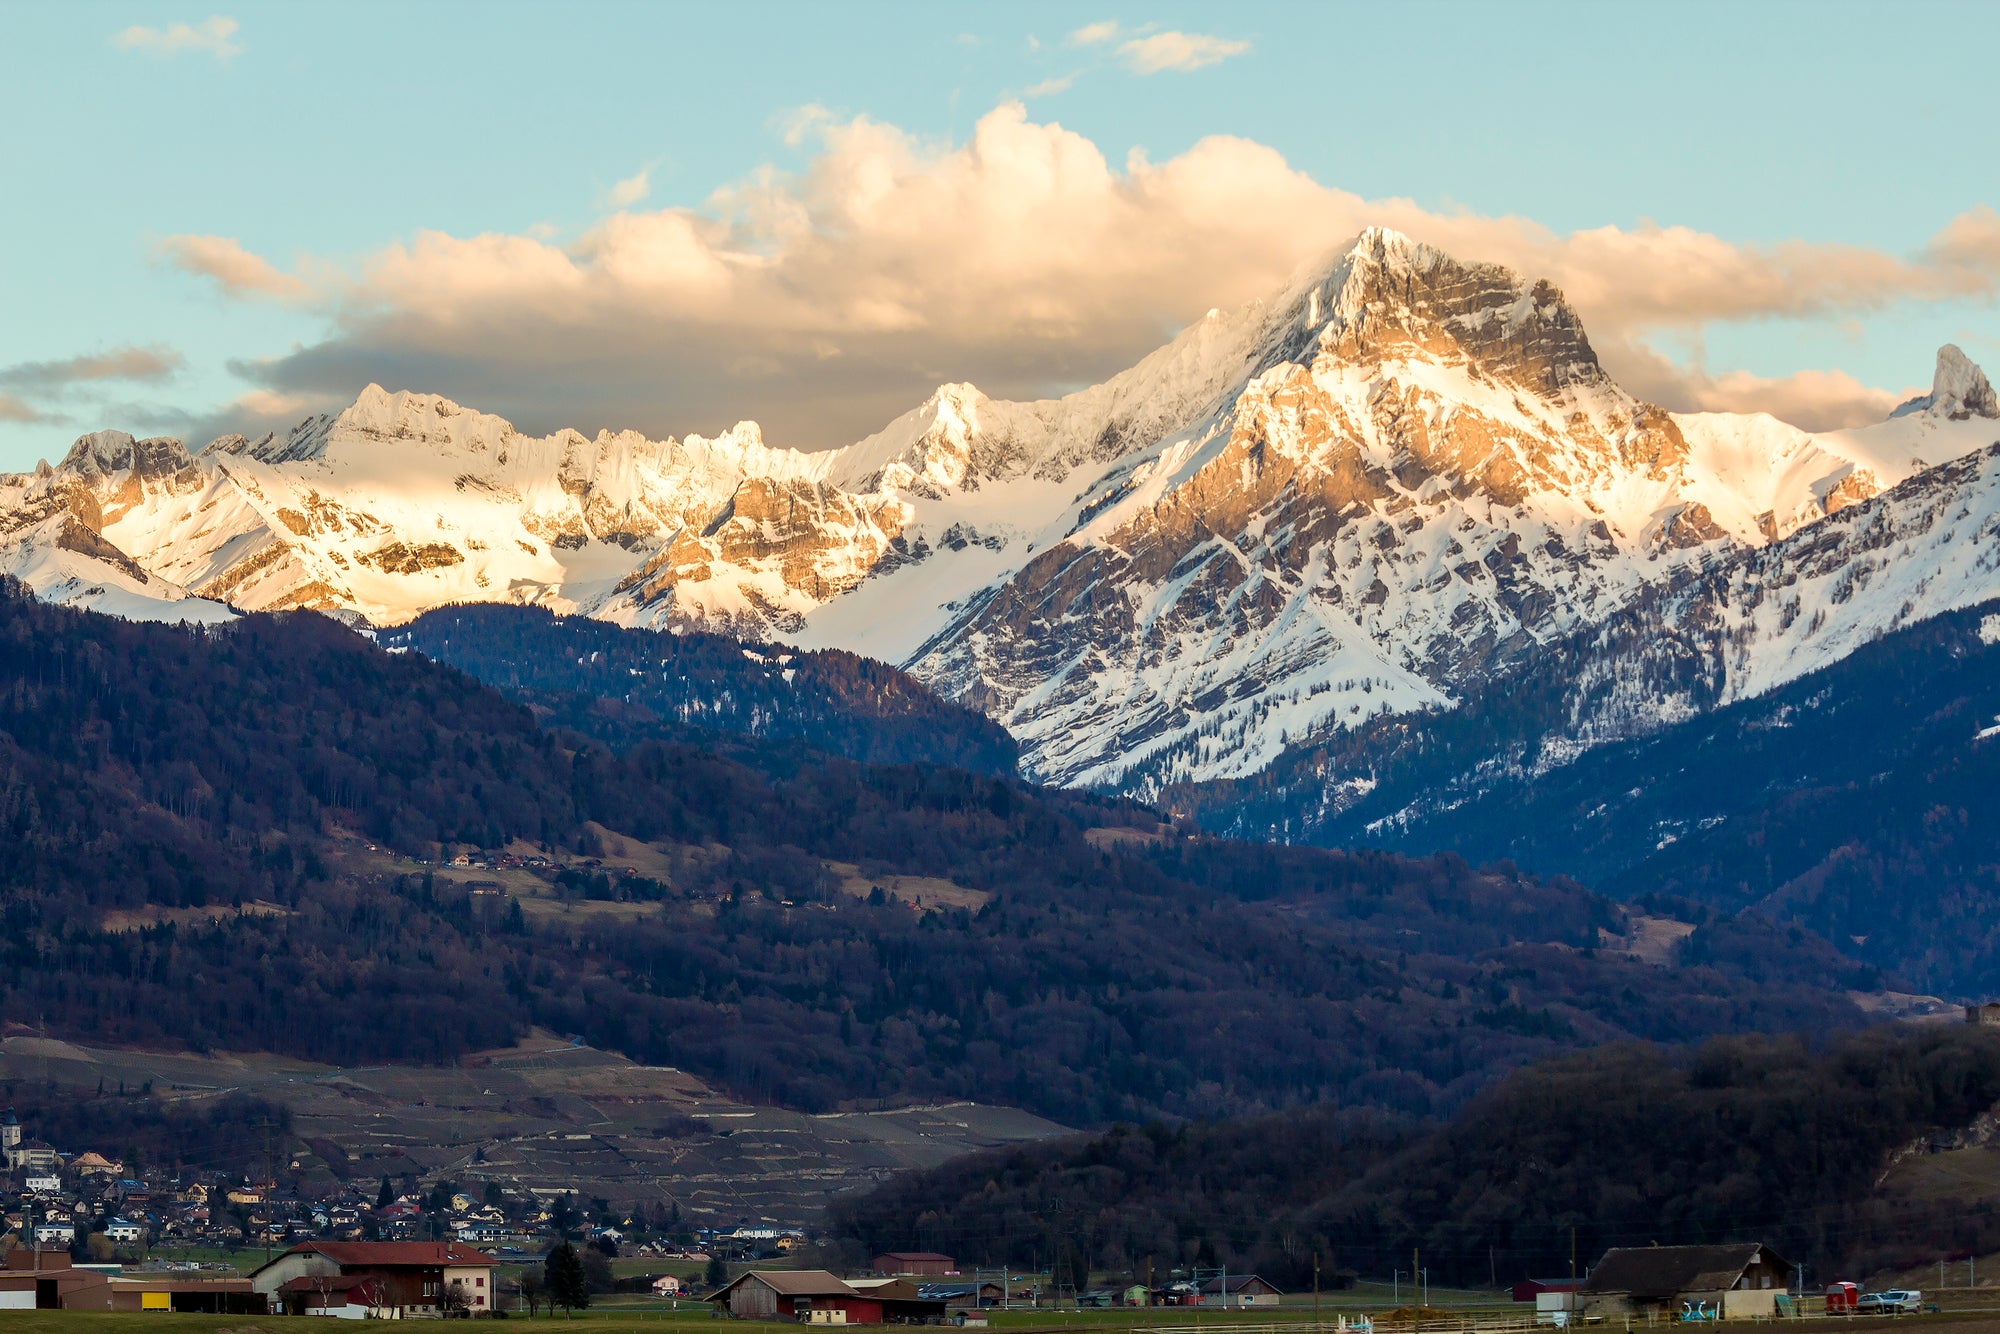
column 1845, row 1297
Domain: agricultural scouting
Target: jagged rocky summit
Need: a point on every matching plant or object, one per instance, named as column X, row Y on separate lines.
column 1400, row 476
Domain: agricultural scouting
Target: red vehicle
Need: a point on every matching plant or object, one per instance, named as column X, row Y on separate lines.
column 1842, row 1298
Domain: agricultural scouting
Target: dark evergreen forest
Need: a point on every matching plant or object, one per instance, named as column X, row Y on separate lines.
column 1778, row 1139
column 622, row 685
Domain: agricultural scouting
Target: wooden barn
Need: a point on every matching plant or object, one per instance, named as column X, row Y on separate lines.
column 809, row 1296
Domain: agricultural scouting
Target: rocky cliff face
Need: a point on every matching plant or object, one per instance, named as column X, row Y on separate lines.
column 1401, row 476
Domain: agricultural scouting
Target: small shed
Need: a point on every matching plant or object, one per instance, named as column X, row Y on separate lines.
column 1530, row 1288
column 1239, row 1290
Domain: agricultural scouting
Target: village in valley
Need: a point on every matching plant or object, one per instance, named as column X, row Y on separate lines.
column 88, row 1232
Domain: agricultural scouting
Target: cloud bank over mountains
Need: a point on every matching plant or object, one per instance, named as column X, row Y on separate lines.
column 826, row 301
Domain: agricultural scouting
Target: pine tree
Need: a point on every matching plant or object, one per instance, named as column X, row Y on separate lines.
column 385, row 1196
column 563, row 1276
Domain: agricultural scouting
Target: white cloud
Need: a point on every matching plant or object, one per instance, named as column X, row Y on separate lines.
column 1171, row 50
column 216, row 35
column 1050, row 87
column 234, row 269
column 825, row 302
column 632, row 189
column 802, row 123
column 1144, row 51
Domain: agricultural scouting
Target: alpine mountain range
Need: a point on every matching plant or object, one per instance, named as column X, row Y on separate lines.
column 1402, row 481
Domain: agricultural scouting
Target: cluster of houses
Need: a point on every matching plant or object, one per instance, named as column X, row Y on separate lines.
column 100, row 1209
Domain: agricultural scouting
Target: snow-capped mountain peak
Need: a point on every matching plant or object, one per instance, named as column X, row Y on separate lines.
column 1395, row 477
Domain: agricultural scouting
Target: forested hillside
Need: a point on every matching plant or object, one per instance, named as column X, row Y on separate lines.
column 625, row 684
column 1076, row 957
column 1773, row 1139
column 1860, row 801
column 224, row 1134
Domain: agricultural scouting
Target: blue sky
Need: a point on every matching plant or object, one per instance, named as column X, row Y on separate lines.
column 1807, row 157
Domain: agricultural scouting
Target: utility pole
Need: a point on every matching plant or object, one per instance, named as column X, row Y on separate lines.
column 1569, row 1298
column 270, row 1189
column 1416, row 1305
column 1316, row 1320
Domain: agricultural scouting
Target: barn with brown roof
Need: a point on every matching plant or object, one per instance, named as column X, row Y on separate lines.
column 809, row 1296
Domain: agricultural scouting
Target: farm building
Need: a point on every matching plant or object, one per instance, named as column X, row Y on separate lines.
column 903, row 1300
column 965, row 1296
column 49, row 1282
column 1737, row 1281
column 809, row 1296
column 1239, row 1290
column 926, row 1264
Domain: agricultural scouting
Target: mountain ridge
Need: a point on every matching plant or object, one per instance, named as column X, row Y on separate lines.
column 1396, row 478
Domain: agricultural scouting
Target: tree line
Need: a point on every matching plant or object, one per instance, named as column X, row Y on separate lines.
column 1782, row 1140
